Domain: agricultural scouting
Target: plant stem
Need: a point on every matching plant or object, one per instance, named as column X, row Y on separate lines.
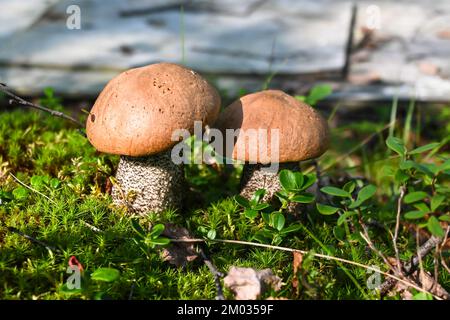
column 397, row 227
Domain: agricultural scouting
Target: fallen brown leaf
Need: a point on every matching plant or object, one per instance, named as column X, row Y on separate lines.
column 298, row 258
column 178, row 253
column 249, row 284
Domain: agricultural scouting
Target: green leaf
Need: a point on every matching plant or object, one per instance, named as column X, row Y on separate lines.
column 299, row 179
column 415, row 214
column 282, row 195
column 422, row 296
column 64, row 289
column 442, row 189
column 105, row 274
column 259, row 194
column 54, row 183
column 396, row 145
column 260, row 206
column 401, row 176
column 344, row 217
column 160, row 241
column 434, row 227
column 317, row 93
column 242, row 201
column 445, row 166
column 339, row 233
column 445, row 218
column 291, row 228
column 422, row 207
column 415, row 196
column 37, row 182
column 364, row 194
column 424, row 148
column 266, row 217
column 407, row 164
column 263, row 236
column 291, row 180
column 278, row 221
column 157, row 229
column 325, row 209
column 436, row 201
column 211, row 234
column 309, row 180
column 336, row 192
column 250, row 213
column 20, row 193
column 431, row 167
column 424, row 169
column 349, row 186
column 137, row 228
column 303, row 198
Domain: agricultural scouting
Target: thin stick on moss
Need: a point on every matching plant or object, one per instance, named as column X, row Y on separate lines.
column 15, row 98
column 34, row 240
column 30, row 188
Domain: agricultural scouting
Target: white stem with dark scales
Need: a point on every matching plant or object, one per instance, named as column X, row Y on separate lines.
column 149, row 184
column 254, row 177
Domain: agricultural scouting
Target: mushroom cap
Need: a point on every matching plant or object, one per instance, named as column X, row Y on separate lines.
column 138, row 111
column 302, row 132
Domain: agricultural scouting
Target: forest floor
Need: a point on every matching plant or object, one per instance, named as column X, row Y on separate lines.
column 55, row 203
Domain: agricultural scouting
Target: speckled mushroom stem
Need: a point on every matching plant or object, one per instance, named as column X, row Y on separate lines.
column 149, row 184
column 254, row 178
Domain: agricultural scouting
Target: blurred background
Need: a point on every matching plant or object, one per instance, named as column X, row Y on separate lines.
column 366, row 50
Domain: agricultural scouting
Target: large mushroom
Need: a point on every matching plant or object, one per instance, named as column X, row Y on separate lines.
column 302, row 134
column 135, row 116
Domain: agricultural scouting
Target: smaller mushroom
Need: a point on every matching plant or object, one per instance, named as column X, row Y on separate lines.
column 135, row 116
column 302, row 134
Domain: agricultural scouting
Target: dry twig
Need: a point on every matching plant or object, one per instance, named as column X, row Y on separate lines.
column 16, row 99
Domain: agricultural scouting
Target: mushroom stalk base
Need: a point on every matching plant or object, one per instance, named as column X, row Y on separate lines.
column 254, row 177
column 148, row 184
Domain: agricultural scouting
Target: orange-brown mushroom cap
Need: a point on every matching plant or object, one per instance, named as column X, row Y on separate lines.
column 302, row 132
column 138, row 111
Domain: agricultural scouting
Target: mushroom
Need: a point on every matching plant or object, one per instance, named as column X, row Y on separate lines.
column 302, row 134
column 135, row 116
